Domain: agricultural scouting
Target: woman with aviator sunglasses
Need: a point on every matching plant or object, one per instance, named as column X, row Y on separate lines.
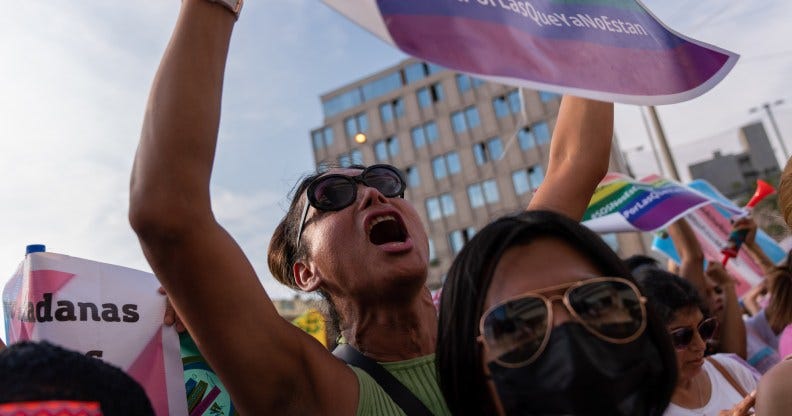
column 349, row 236
column 540, row 317
column 712, row 386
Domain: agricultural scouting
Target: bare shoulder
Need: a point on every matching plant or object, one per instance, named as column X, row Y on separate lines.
column 772, row 395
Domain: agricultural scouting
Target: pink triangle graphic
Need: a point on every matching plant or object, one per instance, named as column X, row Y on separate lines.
column 149, row 370
column 40, row 282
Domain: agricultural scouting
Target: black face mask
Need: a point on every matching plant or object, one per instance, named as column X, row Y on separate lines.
column 580, row 374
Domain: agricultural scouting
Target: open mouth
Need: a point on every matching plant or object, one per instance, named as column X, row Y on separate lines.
column 387, row 229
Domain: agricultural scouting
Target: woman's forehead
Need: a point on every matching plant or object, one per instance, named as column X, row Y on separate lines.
column 686, row 316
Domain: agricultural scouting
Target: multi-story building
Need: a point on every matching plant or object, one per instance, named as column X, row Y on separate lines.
column 735, row 175
column 471, row 150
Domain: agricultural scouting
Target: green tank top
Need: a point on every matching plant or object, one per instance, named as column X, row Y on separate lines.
column 418, row 375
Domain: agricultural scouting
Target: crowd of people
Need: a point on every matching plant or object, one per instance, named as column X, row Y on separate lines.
column 537, row 316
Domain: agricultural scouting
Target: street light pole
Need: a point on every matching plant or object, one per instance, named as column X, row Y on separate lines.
column 770, row 115
column 661, row 138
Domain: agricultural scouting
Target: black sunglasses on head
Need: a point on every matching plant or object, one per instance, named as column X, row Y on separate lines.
column 335, row 192
column 682, row 337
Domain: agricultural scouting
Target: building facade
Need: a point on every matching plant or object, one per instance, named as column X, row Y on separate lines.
column 471, row 150
column 735, row 175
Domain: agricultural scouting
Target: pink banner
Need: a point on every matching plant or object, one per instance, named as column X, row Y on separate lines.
column 104, row 311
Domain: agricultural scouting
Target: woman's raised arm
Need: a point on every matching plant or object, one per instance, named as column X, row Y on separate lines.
column 579, row 156
column 268, row 365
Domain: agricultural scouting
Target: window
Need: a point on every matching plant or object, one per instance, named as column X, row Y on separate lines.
column 458, row 238
column 430, row 129
column 440, row 206
column 483, row 193
column 391, row 110
column 356, row 124
column 415, row 72
column 357, row 157
column 520, row 182
column 420, row 70
column 465, row 119
column 526, row 138
column 342, row 102
column 369, row 91
column 507, row 104
column 380, row 151
column 439, row 167
column 418, row 137
column 475, row 195
column 548, row 96
column 472, row 117
column 458, row 122
column 541, row 132
column 426, row 133
column 384, row 150
column 491, row 194
column 525, row 180
column 432, row 252
column 447, row 204
column 413, row 177
column 354, row 157
column 447, row 164
column 430, row 95
column 500, row 106
column 433, row 209
column 381, row 86
column 452, row 161
column 322, row 137
column 465, row 82
column 535, row 176
column 515, row 104
column 484, row 152
column 536, row 134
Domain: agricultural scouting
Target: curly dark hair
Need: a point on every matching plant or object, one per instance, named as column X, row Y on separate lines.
column 670, row 293
column 39, row 371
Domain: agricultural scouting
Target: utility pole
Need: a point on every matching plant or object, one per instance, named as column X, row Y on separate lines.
column 650, row 136
column 661, row 138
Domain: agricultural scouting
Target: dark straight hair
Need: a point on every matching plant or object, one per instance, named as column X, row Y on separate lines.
column 459, row 361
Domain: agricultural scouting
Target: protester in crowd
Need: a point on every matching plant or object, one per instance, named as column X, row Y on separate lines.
column 714, row 284
column 773, row 396
column 705, row 385
column 755, row 299
column 41, row 372
column 765, row 327
column 347, row 234
column 639, row 261
column 540, row 316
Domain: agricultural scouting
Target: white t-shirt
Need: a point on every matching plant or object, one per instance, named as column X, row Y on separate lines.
column 723, row 396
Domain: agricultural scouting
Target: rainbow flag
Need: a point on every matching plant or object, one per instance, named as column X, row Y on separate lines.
column 712, row 225
column 610, row 50
column 622, row 204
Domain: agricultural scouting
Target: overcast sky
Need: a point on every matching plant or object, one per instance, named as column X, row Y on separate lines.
column 75, row 77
